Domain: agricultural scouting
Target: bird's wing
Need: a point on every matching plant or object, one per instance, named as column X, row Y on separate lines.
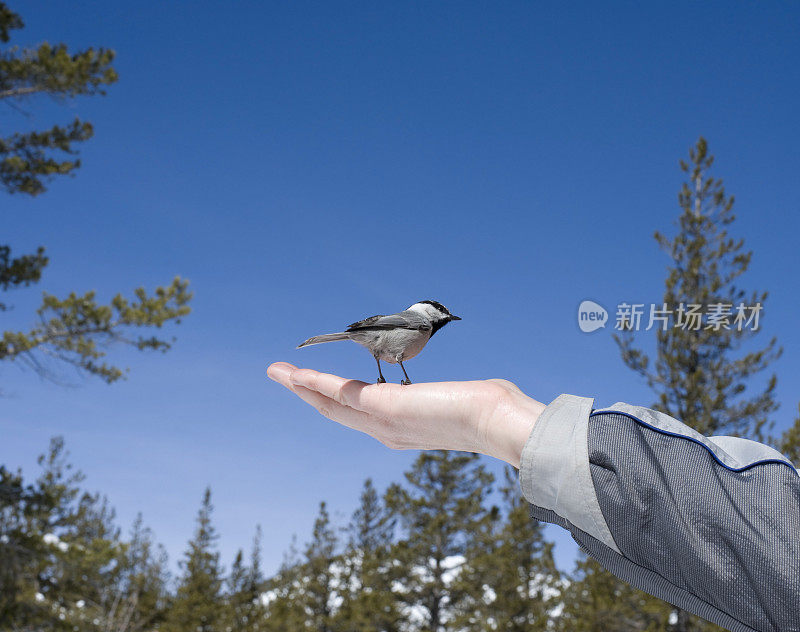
column 403, row 320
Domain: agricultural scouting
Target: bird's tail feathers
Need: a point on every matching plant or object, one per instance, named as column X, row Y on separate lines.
column 316, row 340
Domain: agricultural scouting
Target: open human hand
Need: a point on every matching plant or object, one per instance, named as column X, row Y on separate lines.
column 492, row 417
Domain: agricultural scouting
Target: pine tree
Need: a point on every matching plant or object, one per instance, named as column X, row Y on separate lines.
column 31, row 519
column 699, row 374
column 76, row 329
column 198, row 604
column 15, row 551
column 510, row 572
column 137, row 602
column 440, row 508
column 304, row 594
column 319, row 574
column 283, row 593
column 596, row 601
column 58, row 546
column 368, row 602
column 245, row 611
column 90, row 563
column 63, row 565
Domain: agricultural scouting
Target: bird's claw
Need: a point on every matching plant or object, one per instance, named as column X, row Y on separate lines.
column 405, row 382
column 381, row 381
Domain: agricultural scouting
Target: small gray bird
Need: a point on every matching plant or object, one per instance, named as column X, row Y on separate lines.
column 396, row 337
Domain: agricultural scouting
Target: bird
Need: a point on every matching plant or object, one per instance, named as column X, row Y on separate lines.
column 393, row 338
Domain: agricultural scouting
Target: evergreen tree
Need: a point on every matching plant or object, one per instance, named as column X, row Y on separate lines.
column 368, row 602
column 33, row 517
column 138, row 601
column 58, row 548
column 700, row 374
column 510, row 572
column 319, row 574
column 282, row 594
column 237, row 599
column 245, row 586
column 440, row 509
column 198, row 603
column 89, row 564
column 76, row 329
column 15, row 548
column 305, row 593
column 596, row 601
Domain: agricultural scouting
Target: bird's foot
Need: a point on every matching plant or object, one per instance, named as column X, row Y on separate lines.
column 405, row 382
column 381, row 380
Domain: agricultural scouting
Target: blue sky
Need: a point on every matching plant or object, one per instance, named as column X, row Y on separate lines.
column 309, row 164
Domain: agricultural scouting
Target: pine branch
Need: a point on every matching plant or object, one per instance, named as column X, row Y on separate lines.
column 20, row 271
column 26, row 162
column 77, row 329
column 790, row 441
column 52, row 70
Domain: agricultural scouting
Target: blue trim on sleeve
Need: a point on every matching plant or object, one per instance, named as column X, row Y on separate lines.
column 693, row 440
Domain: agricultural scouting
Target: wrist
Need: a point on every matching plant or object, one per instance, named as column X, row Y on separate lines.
column 510, row 426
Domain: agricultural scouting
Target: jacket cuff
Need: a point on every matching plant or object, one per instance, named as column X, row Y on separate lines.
column 554, row 469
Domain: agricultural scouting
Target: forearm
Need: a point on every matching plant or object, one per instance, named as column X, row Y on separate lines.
column 709, row 524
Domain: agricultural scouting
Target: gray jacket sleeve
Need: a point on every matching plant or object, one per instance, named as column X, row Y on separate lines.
column 709, row 524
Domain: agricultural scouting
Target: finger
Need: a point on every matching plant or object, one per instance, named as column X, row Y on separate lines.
column 388, row 401
column 369, row 398
column 352, row 393
column 281, row 372
column 335, row 411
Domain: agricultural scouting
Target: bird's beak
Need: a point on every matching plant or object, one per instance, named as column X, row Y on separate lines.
column 455, row 317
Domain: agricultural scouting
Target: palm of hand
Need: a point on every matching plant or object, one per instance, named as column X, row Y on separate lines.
column 488, row 416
